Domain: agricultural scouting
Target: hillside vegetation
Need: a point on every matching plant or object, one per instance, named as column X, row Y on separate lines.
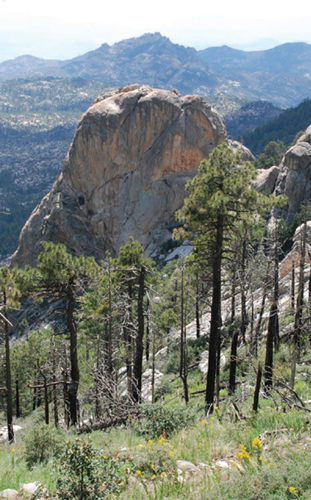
column 108, row 373
column 38, row 119
column 39, row 96
column 284, row 128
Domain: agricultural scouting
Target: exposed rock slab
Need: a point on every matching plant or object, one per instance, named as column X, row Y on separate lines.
column 10, row 494
column 124, row 175
column 266, row 179
column 4, row 432
column 294, row 179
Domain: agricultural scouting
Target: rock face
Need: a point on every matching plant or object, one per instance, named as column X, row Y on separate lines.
column 294, row 179
column 266, row 179
column 125, row 172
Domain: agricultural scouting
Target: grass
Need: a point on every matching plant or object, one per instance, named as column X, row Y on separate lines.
column 144, row 462
column 277, row 469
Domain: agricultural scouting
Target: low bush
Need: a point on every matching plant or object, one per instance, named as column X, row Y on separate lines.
column 42, row 443
column 87, row 474
column 158, row 420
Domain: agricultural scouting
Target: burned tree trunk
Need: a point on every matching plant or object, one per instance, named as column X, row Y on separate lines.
column 9, row 404
column 74, row 369
column 257, row 389
column 272, row 325
column 138, row 365
column 183, row 367
column 299, row 305
column 233, row 360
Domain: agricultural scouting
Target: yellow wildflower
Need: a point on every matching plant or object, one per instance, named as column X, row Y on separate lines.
column 138, row 472
column 153, row 477
column 293, row 491
column 150, row 442
column 242, row 454
column 163, row 474
column 256, row 444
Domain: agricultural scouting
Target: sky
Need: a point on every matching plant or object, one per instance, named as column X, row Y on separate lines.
column 62, row 29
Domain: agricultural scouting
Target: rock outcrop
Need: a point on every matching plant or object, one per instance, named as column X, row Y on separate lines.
column 266, row 179
column 294, row 179
column 125, row 173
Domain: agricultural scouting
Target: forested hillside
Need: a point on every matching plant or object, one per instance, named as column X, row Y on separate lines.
column 284, row 128
column 38, row 119
column 119, row 350
column 37, row 96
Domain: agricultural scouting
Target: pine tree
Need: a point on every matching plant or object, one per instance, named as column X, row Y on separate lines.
column 62, row 276
column 220, row 203
column 9, row 298
column 134, row 274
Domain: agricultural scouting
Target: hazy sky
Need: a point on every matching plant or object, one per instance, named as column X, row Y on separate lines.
column 62, row 29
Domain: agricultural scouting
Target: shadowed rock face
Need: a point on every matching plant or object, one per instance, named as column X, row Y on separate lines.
column 294, row 179
column 125, row 172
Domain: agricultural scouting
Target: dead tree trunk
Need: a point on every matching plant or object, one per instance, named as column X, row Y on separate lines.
column 243, row 292
column 257, row 389
column 233, row 360
column 183, row 369
column 97, row 378
column 299, row 306
column 65, row 388
column 18, row 411
column 55, row 404
column 138, row 365
column 254, row 348
column 9, row 404
column 197, row 307
column 268, row 374
column 148, row 330
column 293, row 287
column 215, row 318
column 74, row 369
column 276, row 294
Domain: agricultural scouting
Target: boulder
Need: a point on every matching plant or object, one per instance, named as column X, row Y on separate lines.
column 4, row 432
column 185, row 466
column 125, row 173
column 294, row 178
column 146, row 381
column 266, row 179
column 203, row 365
column 10, row 494
column 298, row 157
column 246, row 154
column 295, row 253
column 29, row 489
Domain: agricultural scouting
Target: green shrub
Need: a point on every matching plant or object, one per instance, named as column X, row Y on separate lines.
column 87, row 473
column 42, row 443
column 164, row 387
column 155, row 458
column 160, row 420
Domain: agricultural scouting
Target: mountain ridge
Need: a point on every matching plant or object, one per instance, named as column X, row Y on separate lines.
column 153, row 59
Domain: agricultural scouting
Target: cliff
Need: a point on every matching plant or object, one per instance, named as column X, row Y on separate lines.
column 124, row 174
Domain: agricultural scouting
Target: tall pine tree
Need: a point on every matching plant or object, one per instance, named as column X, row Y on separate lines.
column 221, row 202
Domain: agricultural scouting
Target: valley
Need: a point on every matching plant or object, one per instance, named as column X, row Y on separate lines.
column 155, row 316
